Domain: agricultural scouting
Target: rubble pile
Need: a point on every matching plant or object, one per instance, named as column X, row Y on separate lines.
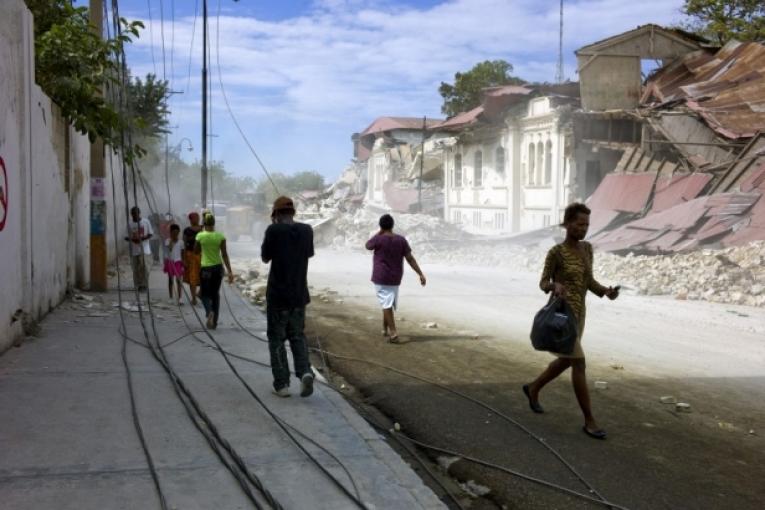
column 733, row 275
column 353, row 230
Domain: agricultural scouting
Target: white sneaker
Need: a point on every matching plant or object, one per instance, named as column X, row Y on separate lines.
column 306, row 385
column 282, row 392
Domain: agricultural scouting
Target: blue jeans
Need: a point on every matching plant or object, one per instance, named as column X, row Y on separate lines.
column 287, row 324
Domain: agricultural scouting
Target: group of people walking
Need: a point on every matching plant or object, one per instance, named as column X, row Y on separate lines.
column 196, row 259
column 199, row 258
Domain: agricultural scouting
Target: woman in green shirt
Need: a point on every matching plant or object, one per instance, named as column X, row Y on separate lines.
column 212, row 246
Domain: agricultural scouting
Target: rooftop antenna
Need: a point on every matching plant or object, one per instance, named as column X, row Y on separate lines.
column 559, row 69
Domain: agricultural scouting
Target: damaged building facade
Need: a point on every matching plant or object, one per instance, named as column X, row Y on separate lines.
column 510, row 167
column 391, row 150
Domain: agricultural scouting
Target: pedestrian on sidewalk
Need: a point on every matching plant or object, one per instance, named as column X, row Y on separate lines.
column 390, row 251
column 139, row 234
column 287, row 245
column 192, row 261
column 568, row 275
column 173, row 265
column 212, row 247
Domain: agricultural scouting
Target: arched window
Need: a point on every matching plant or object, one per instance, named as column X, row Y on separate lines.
column 499, row 160
column 548, row 162
column 540, row 163
column 458, row 170
column 478, row 169
column 532, row 161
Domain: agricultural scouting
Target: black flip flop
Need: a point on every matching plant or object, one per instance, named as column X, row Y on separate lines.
column 533, row 405
column 595, row 434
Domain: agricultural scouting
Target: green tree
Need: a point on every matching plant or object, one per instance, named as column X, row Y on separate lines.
column 76, row 68
column 147, row 106
column 723, row 20
column 465, row 94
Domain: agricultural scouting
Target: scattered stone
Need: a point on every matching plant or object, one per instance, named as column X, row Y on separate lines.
column 601, row 385
column 446, row 462
column 682, row 407
column 668, row 400
column 474, row 490
column 617, row 367
column 397, row 427
column 430, row 325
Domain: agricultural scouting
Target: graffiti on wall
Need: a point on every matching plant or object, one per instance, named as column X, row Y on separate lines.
column 3, row 194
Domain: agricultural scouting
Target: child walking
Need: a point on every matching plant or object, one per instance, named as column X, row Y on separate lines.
column 174, row 262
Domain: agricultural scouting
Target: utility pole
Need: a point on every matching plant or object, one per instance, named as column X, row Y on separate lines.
column 204, row 103
column 422, row 163
column 98, row 280
column 559, row 70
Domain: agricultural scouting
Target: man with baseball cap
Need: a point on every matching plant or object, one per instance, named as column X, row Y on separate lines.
column 287, row 245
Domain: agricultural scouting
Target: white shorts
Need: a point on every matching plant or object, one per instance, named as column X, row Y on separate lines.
column 387, row 295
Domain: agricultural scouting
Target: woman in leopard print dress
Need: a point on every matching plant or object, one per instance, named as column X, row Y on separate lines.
column 568, row 274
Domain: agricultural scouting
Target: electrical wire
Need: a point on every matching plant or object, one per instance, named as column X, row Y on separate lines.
column 209, row 431
column 228, row 106
column 454, row 392
column 191, row 47
column 602, row 501
column 123, row 350
column 151, row 38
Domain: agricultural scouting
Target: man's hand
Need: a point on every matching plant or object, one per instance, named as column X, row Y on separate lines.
column 559, row 290
column 230, row 278
column 423, row 281
column 612, row 293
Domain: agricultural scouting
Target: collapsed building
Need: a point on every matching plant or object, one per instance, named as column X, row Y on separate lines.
column 681, row 155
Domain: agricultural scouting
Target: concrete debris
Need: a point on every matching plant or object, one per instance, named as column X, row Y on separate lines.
column 668, row 400
column 734, row 275
column 682, row 407
column 430, row 325
column 474, row 490
column 601, row 385
column 421, row 230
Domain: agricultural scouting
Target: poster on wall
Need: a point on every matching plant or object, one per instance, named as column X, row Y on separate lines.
column 97, row 188
column 3, row 194
column 97, row 217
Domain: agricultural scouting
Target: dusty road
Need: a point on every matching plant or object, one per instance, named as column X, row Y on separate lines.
column 712, row 356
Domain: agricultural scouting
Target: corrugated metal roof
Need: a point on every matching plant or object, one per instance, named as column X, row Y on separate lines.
column 671, row 191
column 382, row 124
column 726, row 89
column 623, row 192
column 462, row 119
column 731, row 218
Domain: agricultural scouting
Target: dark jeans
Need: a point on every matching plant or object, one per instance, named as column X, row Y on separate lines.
column 210, row 279
column 287, row 324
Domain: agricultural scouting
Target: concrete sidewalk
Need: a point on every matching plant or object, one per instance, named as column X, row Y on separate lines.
column 68, row 441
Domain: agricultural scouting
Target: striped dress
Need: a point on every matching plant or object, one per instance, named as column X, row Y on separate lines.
column 573, row 268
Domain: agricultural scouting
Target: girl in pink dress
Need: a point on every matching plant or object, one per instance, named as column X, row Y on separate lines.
column 174, row 262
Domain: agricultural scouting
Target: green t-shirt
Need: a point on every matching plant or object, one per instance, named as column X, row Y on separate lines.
column 210, row 243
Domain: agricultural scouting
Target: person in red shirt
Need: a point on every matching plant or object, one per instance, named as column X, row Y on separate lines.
column 390, row 251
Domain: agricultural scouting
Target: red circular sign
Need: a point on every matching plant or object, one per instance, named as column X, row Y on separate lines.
column 3, row 194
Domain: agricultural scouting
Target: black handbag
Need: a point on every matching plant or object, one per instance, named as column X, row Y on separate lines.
column 555, row 328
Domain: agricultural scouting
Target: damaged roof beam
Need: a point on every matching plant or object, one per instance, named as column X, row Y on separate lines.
column 714, row 144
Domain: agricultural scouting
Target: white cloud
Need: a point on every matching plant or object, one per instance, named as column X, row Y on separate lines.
column 348, row 61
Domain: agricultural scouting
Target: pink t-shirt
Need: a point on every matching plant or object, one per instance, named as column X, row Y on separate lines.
column 388, row 263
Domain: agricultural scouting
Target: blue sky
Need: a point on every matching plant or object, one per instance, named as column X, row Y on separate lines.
column 303, row 75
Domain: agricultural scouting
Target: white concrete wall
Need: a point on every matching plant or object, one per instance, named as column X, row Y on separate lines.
column 44, row 245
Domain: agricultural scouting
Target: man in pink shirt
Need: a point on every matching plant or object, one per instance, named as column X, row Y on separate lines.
column 390, row 250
